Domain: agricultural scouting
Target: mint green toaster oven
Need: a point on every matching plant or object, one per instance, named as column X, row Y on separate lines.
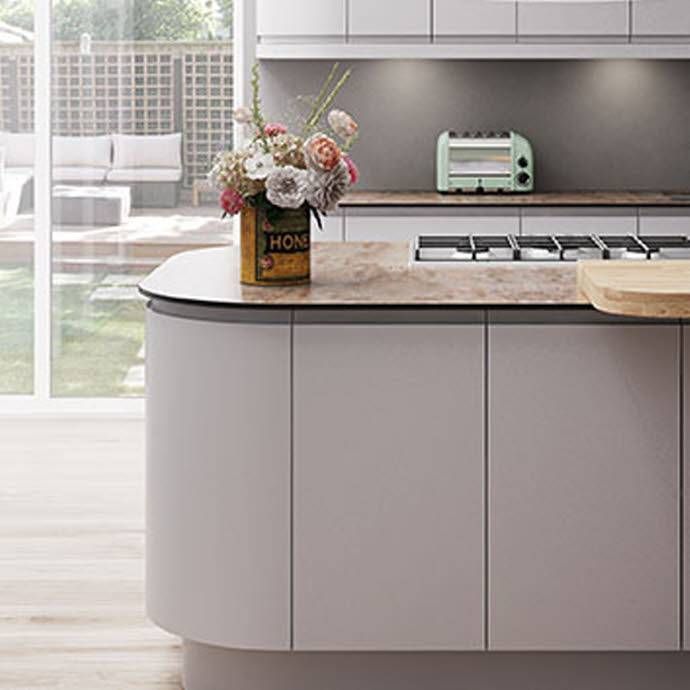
column 476, row 162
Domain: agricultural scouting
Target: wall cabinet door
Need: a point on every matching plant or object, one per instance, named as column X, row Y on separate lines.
column 303, row 19
column 394, row 18
column 661, row 18
column 584, row 490
column 388, row 462
column 560, row 221
column 474, row 18
column 544, row 20
column 403, row 225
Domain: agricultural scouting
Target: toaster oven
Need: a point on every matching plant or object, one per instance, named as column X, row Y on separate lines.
column 479, row 162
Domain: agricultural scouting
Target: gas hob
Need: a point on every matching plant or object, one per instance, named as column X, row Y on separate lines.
column 549, row 248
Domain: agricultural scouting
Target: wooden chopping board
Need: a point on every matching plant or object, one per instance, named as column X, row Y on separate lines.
column 651, row 289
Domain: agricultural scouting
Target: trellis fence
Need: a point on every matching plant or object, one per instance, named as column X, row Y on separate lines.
column 129, row 88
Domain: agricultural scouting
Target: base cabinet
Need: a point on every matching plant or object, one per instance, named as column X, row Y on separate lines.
column 388, row 500
column 583, row 487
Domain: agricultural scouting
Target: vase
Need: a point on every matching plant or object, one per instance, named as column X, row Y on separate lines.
column 275, row 246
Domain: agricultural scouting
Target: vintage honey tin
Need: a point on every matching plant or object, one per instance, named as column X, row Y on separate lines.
column 275, row 246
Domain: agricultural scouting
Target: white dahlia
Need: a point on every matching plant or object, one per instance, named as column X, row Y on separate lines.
column 287, row 187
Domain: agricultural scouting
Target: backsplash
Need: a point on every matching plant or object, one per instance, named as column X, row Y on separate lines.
column 594, row 124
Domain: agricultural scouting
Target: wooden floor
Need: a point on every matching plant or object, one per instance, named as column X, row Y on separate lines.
column 71, row 560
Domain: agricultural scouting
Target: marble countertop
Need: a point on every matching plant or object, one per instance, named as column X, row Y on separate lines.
column 367, row 274
column 602, row 198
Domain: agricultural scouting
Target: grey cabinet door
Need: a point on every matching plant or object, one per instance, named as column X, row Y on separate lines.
column 308, row 19
column 474, row 18
column 572, row 19
column 388, row 467
column 390, row 18
column 686, row 463
column 584, row 489
column 661, row 18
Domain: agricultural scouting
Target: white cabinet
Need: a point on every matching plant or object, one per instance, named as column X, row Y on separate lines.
column 388, row 476
column 665, row 221
column 579, row 221
column 659, row 19
column 584, row 492
column 404, row 224
column 390, row 18
column 218, row 480
column 569, row 20
column 301, row 20
column 332, row 230
column 474, row 19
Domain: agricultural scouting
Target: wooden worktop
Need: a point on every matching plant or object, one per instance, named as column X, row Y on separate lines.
column 583, row 199
column 631, row 288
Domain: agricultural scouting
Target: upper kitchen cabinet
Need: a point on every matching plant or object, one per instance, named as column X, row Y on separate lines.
column 471, row 29
column 457, row 20
column 661, row 19
column 390, row 19
column 567, row 21
column 303, row 20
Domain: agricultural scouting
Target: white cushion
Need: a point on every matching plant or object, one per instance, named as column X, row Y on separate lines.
column 147, row 151
column 21, row 170
column 90, row 152
column 19, row 149
column 79, row 174
column 145, row 175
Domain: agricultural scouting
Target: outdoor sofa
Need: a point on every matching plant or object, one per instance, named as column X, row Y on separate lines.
column 150, row 165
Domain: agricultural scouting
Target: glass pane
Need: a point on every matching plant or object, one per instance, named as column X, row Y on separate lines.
column 142, row 101
column 16, row 196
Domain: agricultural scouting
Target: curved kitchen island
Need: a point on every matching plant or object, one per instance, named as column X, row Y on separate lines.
column 413, row 476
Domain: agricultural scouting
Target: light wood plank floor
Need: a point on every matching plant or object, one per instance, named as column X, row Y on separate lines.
column 71, row 560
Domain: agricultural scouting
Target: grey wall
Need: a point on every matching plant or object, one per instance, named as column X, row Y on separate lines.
column 594, row 124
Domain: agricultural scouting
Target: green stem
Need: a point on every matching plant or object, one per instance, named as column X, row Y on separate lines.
column 329, row 100
column 257, row 115
column 322, row 94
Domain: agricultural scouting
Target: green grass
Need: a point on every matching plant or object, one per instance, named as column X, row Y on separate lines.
column 95, row 343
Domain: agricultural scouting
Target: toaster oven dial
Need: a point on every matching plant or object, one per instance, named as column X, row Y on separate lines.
column 522, row 162
column 523, row 178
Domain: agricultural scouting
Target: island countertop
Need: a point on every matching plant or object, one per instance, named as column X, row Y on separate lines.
column 364, row 274
column 619, row 199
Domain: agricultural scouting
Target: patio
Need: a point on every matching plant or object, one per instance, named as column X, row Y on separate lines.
column 98, row 316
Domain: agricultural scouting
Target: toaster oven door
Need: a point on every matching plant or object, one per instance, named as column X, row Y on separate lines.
column 480, row 160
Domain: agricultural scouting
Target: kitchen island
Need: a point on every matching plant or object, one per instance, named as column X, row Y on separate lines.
column 414, row 476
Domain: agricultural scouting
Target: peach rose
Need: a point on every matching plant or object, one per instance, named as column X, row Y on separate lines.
column 322, row 153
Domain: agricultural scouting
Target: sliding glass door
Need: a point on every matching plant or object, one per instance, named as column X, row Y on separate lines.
column 137, row 101
column 16, row 198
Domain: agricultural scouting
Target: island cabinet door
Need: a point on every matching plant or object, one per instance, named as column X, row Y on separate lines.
column 686, row 465
column 458, row 19
column 562, row 21
column 584, row 487
column 397, row 19
column 659, row 19
column 301, row 20
column 388, row 462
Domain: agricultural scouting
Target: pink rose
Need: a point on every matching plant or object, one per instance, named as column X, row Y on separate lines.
column 352, row 169
column 273, row 129
column 322, row 153
column 231, row 201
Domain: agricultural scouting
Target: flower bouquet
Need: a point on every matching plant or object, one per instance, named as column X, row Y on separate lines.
column 279, row 180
